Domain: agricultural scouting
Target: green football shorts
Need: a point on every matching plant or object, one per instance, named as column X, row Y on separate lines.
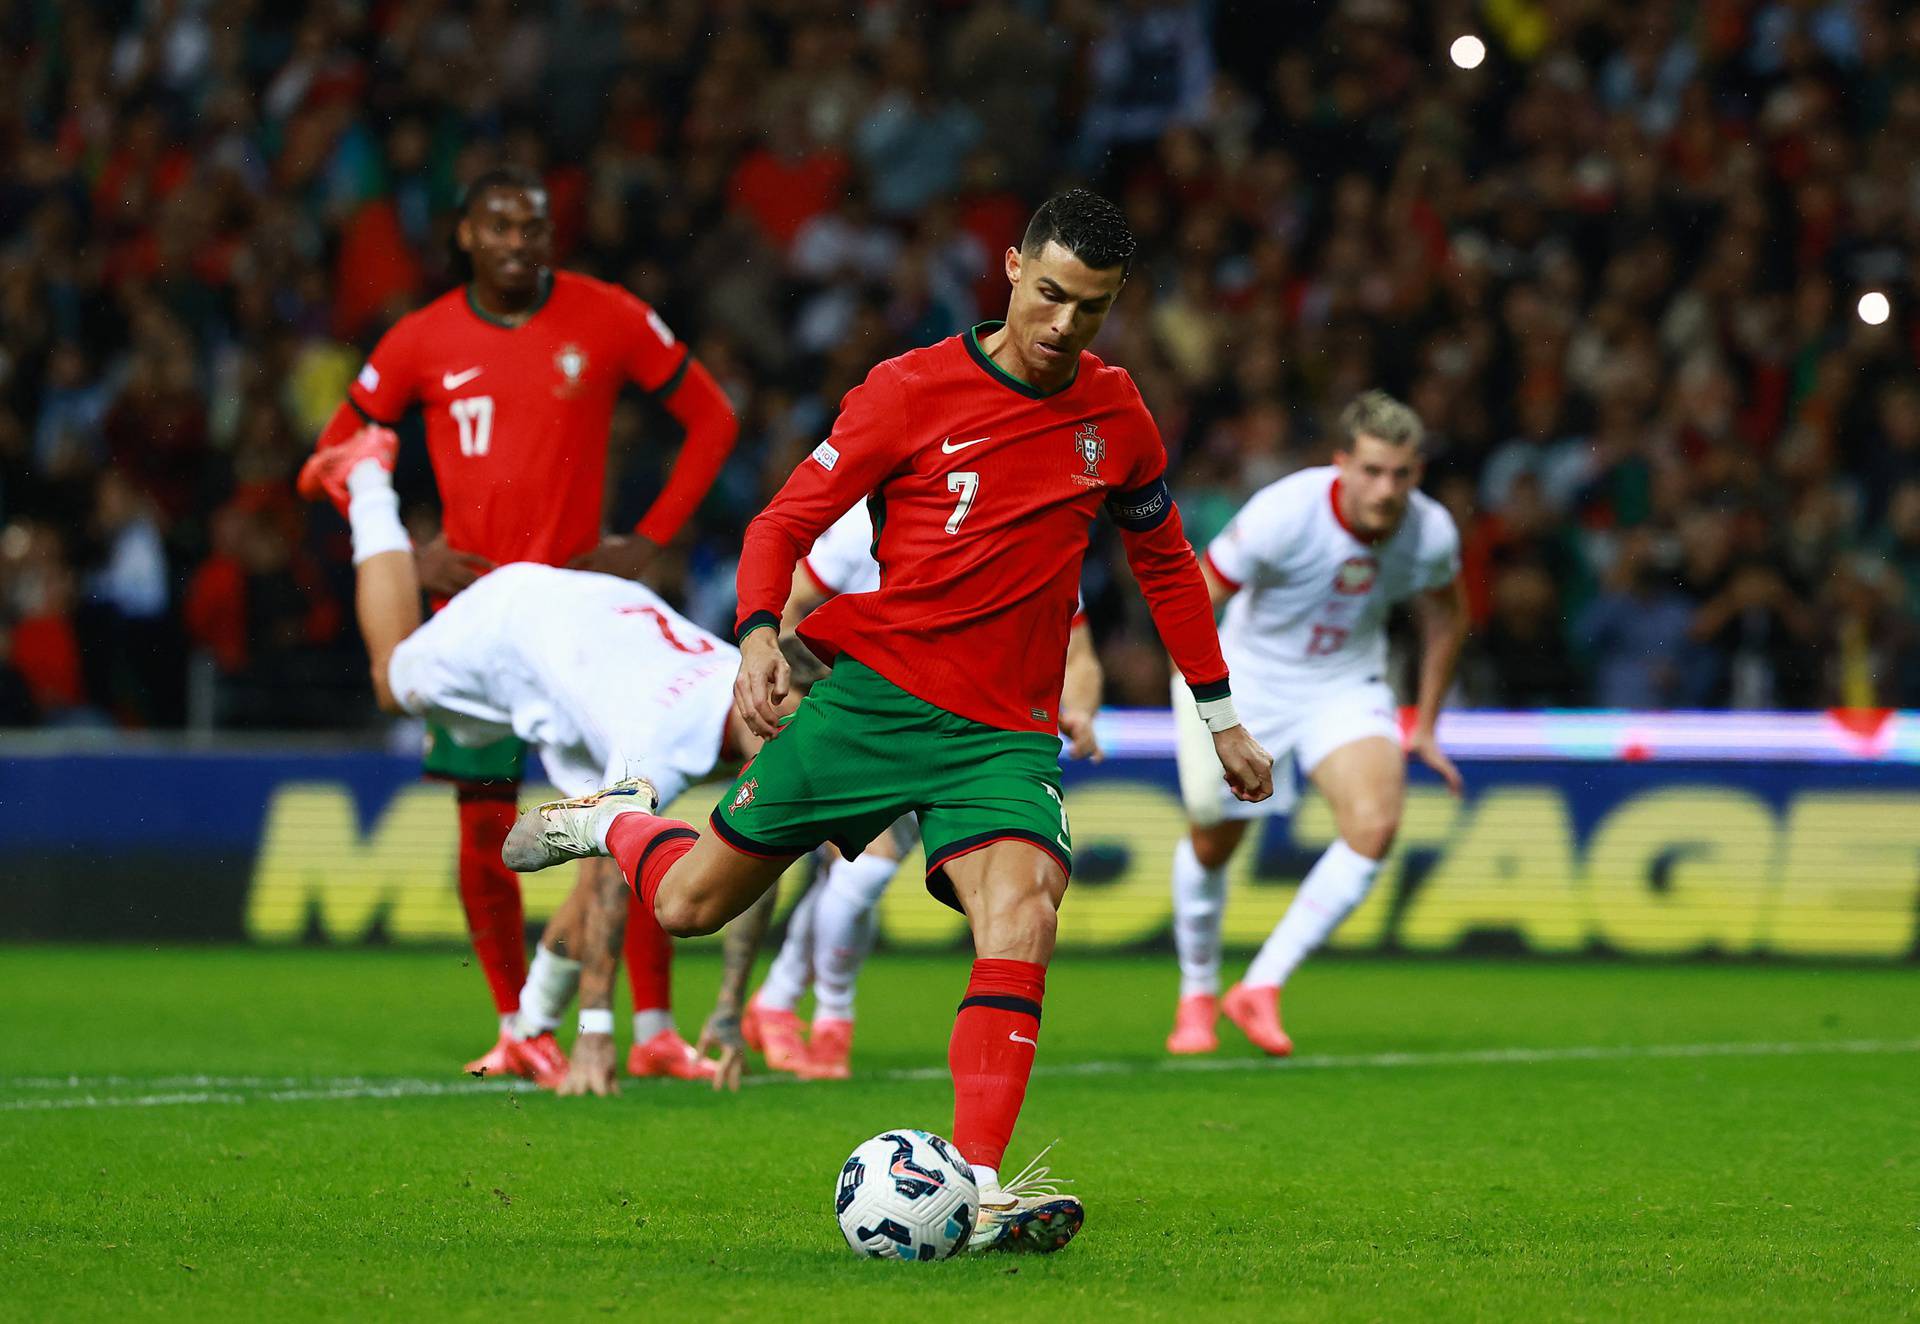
column 860, row 751
column 502, row 761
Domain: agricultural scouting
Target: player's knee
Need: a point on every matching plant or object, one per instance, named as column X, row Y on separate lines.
column 1213, row 848
column 685, row 916
column 1371, row 827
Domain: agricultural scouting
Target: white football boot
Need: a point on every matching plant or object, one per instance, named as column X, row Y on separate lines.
column 1029, row 1213
column 563, row 830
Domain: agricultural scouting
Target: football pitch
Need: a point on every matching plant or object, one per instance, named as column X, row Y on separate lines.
column 229, row 1133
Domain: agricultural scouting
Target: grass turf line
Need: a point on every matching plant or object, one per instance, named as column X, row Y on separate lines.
column 1696, row 1187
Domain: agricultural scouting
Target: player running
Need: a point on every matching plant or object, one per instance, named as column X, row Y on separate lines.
column 516, row 375
column 596, row 671
column 1309, row 569
column 831, row 930
column 986, row 456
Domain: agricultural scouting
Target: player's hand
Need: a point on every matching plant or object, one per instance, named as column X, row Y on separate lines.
column 1426, row 747
column 626, row 557
column 443, row 571
column 590, row 1067
column 722, row 1036
column 1249, row 768
column 763, row 682
column 1082, row 743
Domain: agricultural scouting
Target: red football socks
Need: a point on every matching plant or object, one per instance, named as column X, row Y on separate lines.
column 490, row 892
column 649, row 953
column 645, row 847
column 991, row 1054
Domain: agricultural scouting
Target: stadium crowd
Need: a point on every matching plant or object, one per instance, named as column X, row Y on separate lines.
column 1615, row 268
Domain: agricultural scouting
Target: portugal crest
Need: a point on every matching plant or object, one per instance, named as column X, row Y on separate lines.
column 571, row 360
column 744, row 796
column 1092, row 448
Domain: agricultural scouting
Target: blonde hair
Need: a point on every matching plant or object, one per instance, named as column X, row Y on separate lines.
column 1377, row 414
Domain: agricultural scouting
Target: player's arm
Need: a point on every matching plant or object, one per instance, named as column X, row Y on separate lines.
column 603, row 898
column 668, row 371
column 1440, row 614
column 740, row 944
column 1182, row 609
column 1080, row 694
column 843, row 469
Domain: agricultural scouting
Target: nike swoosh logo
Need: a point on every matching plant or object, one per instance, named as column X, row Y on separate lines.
column 453, row 381
column 947, row 447
column 1019, row 1038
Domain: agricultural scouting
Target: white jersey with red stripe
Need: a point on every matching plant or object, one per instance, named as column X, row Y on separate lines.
column 841, row 559
column 598, row 672
column 1313, row 596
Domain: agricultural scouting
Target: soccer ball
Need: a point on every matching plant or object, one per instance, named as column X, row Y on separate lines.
column 906, row 1195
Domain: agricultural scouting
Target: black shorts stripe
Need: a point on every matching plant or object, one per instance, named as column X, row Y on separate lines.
column 747, row 845
column 1001, row 1002
column 672, row 384
column 978, row 839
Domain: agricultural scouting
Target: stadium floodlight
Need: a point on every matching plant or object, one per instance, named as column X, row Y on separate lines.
column 1468, row 51
column 1874, row 308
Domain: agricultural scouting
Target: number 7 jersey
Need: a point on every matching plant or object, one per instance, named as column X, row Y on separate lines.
column 981, row 490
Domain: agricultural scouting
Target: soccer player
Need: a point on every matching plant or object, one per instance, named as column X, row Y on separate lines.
column 831, row 930
column 1308, row 571
column 516, row 374
column 597, row 671
column 986, row 457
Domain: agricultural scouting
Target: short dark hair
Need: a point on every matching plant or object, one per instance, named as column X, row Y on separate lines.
column 1087, row 226
column 518, row 178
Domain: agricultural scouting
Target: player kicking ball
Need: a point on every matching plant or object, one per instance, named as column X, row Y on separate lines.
column 1309, row 570
column 597, row 671
column 831, row 931
column 986, row 457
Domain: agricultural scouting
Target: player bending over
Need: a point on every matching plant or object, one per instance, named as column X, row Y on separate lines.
column 986, row 456
column 597, row 671
column 831, row 931
column 1309, row 569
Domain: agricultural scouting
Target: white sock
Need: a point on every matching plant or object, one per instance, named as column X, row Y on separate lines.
column 1199, row 902
column 843, row 928
column 988, row 1180
column 551, row 983
column 648, row 1023
column 793, row 968
column 1338, row 882
column 373, row 512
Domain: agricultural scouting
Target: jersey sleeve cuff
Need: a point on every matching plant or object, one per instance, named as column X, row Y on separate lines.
column 752, row 621
column 1228, row 580
column 1207, row 690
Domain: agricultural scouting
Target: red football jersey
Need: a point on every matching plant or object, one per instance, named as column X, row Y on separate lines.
column 517, row 416
column 982, row 490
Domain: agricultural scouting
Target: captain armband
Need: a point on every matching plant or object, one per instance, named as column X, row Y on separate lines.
column 1142, row 509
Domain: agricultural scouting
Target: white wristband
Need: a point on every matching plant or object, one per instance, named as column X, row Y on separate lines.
column 1218, row 714
column 596, row 1020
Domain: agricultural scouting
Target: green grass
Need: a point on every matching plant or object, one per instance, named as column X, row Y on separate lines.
column 1738, row 1187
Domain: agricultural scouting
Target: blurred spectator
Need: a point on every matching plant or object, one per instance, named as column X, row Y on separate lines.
column 1635, row 634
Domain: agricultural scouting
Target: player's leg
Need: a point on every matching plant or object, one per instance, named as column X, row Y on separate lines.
column 844, row 927
column 770, row 1025
column 1199, row 909
column 1364, row 782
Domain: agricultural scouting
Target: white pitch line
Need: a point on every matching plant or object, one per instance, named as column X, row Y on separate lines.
column 291, row 1089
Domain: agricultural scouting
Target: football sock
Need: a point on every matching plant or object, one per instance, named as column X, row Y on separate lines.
column 645, row 846
column 490, row 892
column 793, row 968
column 649, row 955
column 648, row 1023
column 373, row 512
column 1336, row 884
column 552, row 980
column 843, row 929
column 995, row 1037
column 1199, row 900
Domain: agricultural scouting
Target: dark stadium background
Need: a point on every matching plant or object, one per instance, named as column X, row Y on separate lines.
column 1615, row 267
